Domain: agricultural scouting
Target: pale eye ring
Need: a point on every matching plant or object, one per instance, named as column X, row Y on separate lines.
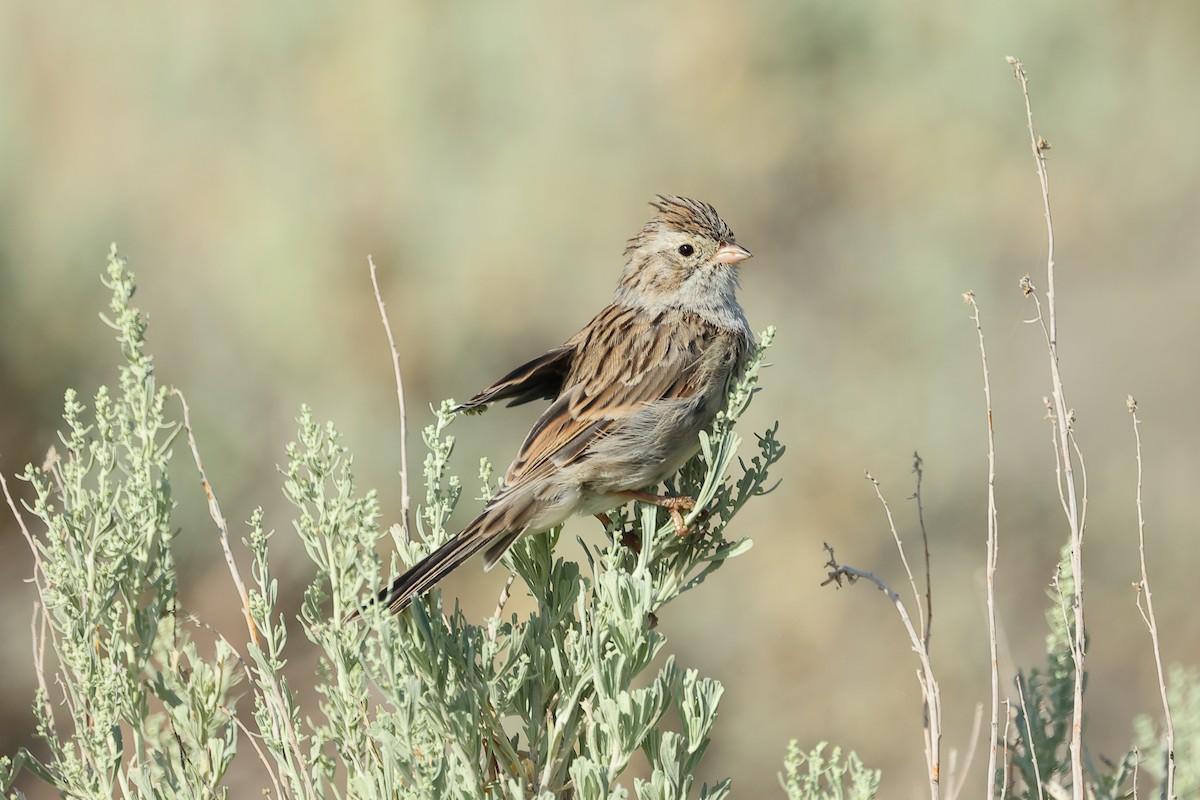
column 686, row 249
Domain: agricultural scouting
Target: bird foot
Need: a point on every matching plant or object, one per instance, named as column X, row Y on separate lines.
column 673, row 505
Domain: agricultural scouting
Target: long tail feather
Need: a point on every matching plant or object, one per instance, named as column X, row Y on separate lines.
column 429, row 571
column 499, row 546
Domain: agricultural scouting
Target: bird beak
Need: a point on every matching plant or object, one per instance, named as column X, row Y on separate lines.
column 731, row 253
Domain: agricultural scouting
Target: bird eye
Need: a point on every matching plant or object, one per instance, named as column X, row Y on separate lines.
column 686, row 249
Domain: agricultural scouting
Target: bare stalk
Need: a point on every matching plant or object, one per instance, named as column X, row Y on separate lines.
column 912, row 582
column 251, row 737
column 502, row 600
column 1007, row 766
column 45, row 633
column 930, row 692
column 39, row 665
column 993, row 550
column 1147, row 612
column 39, row 611
column 1037, row 770
column 1062, row 422
column 214, row 511
column 33, row 548
column 387, row 328
column 927, row 621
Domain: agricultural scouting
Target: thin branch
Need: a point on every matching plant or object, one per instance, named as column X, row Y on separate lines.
column 1148, row 612
column 387, row 328
column 927, row 623
column 1008, row 715
column 279, row 792
column 933, row 712
column 993, row 551
column 38, row 571
column 262, row 756
column 1062, row 414
column 223, row 529
column 899, row 544
column 930, row 692
column 1063, row 609
column 1037, row 770
column 69, row 688
column 214, row 511
column 504, row 594
column 40, row 610
column 39, row 665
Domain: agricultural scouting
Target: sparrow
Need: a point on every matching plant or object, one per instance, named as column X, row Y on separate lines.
column 631, row 393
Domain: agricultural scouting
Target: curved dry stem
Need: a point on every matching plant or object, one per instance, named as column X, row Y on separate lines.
column 1064, row 445
column 1037, row 770
column 39, row 611
column 214, row 511
column 387, row 328
column 993, row 551
column 927, row 622
column 1143, row 586
column 262, row 756
column 912, row 582
column 930, row 692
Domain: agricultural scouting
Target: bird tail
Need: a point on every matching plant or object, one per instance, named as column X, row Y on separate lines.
column 487, row 530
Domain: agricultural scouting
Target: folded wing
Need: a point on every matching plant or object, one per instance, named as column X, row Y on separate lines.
column 539, row 379
column 624, row 365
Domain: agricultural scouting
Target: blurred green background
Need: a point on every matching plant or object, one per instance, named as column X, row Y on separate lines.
column 494, row 158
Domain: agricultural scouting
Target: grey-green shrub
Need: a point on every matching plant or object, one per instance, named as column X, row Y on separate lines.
column 556, row 703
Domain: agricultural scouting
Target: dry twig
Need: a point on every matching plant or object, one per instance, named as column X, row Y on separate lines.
column 1143, row 586
column 253, row 739
column 1037, row 769
column 927, row 622
column 930, row 692
column 1065, row 447
column 502, row 600
column 39, row 611
column 993, row 550
column 387, row 328
column 214, row 511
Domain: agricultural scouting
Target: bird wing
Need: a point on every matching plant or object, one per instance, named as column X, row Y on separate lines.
column 538, row 379
column 622, row 364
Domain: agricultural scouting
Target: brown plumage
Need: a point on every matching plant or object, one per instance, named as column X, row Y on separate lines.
column 631, row 392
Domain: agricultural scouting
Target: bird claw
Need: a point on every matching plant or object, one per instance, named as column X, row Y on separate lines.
column 681, row 527
column 674, row 505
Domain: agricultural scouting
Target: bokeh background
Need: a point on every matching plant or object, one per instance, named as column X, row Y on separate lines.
column 494, row 158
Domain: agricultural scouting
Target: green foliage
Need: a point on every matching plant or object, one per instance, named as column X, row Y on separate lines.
column 1045, row 699
column 147, row 716
column 1183, row 695
column 558, row 703
column 1039, row 753
column 546, row 706
column 815, row 776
